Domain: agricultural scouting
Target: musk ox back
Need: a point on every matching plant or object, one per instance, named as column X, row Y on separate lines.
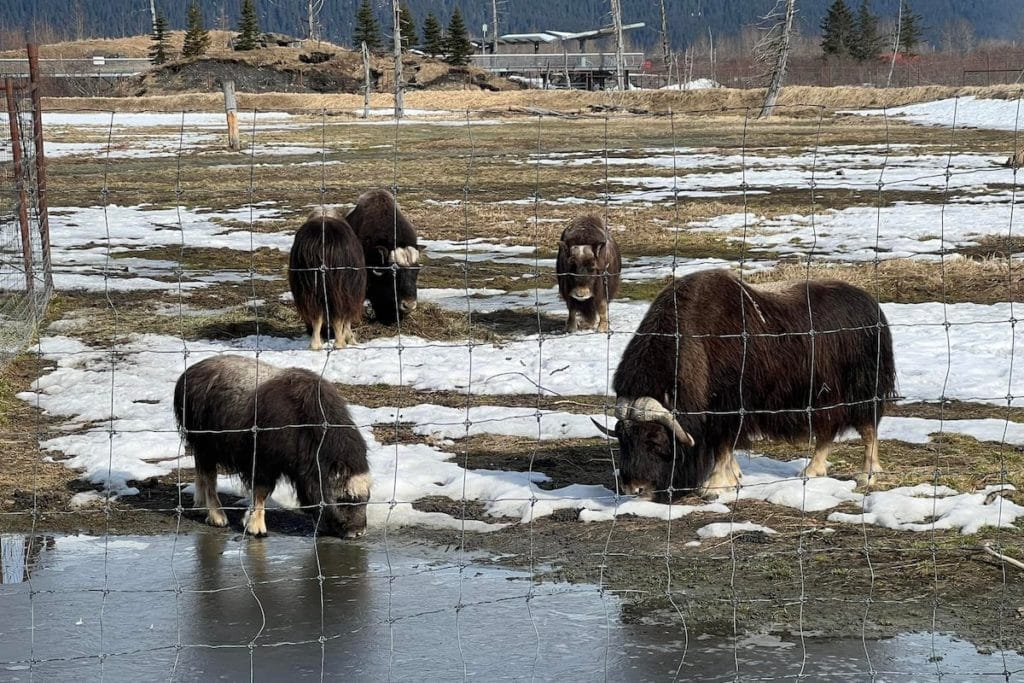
column 392, row 257
column 587, row 268
column 716, row 363
column 263, row 423
column 327, row 277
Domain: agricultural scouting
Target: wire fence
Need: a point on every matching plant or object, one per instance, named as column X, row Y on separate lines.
column 25, row 278
column 505, row 535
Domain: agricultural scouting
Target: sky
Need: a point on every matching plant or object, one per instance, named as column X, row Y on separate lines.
column 952, row 351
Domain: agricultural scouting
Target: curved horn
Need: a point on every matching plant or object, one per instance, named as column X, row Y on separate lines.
column 648, row 409
column 603, row 429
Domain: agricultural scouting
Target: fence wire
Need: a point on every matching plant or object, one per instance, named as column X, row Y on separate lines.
column 502, row 543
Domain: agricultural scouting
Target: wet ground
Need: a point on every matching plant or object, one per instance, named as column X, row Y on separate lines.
column 212, row 604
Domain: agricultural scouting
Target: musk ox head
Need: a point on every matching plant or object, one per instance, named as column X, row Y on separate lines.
column 651, row 447
column 586, row 263
column 345, row 510
column 391, row 285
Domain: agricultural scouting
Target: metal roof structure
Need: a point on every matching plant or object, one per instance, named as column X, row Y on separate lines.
column 557, row 36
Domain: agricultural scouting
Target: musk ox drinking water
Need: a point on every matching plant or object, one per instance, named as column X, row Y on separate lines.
column 327, row 277
column 263, row 423
column 587, row 268
column 389, row 249
column 716, row 363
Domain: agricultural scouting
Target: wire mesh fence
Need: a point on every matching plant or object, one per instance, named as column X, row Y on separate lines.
column 509, row 535
column 25, row 279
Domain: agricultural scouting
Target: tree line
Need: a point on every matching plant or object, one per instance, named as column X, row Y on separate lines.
column 846, row 34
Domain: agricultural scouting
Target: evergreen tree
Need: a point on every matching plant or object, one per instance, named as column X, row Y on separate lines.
column 837, row 30
column 909, row 31
column 407, row 26
column 366, row 30
column 248, row 27
column 197, row 38
column 433, row 41
column 456, row 44
column 159, row 51
column 866, row 43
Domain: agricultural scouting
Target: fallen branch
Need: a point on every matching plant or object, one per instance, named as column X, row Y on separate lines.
column 987, row 547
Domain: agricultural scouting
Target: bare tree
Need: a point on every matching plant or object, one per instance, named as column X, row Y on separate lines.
column 666, row 53
column 617, row 24
column 396, row 15
column 895, row 45
column 494, row 27
column 313, row 15
column 773, row 50
column 152, row 13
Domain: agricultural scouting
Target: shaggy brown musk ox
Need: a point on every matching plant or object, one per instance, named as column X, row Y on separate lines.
column 587, row 268
column 262, row 423
column 391, row 254
column 717, row 363
column 327, row 276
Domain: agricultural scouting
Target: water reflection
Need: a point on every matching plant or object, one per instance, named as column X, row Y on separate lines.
column 19, row 554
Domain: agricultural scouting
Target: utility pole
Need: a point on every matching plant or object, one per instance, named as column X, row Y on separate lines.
column 494, row 27
column 617, row 24
column 397, row 15
column 666, row 54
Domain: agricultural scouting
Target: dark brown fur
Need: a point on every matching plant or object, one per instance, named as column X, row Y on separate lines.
column 382, row 228
column 304, row 433
column 710, row 347
column 332, row 297
column 589, row 265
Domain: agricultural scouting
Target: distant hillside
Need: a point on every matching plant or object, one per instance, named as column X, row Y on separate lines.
column 689, row 20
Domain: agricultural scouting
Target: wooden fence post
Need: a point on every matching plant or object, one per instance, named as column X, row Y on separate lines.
column 42, row 200
column 19, row 182
column 231, row 109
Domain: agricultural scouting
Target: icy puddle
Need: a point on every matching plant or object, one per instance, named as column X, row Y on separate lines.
column 213, row 605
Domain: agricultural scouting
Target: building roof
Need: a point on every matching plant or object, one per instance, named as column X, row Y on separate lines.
column 554, row 36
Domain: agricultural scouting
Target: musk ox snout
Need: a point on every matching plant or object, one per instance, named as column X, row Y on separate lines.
column 407, row 305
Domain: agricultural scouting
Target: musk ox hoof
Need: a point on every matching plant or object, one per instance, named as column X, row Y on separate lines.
column 216, row 518
column 815, row 471
column 602, row 326
column 866, row 480
column 355, row 533
column 315, row 345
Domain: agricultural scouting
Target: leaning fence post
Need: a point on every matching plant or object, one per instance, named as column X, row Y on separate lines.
column 231, row 109
column 43, row 202
column 366, row 81
column 19, row 183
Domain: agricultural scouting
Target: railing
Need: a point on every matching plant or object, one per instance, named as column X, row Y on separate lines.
column 65, row 68
column 552, row 61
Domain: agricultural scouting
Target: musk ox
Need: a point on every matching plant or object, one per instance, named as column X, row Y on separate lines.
column 716, row 363
column 263, row 423
column 327, row 277
column 587, row 268
column 389, row 249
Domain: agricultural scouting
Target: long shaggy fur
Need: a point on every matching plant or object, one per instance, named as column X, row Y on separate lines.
column 588, row 264
column 304, row 433
column 332, row 297
column 690, row 352
column 388, row 239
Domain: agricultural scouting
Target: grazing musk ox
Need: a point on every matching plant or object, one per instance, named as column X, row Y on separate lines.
column 263, row 423
column 389, row 249
column 327, row 277
column 716, row 363
column 587, row 268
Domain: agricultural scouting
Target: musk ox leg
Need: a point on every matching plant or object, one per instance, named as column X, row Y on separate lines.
column 340, row 335
column 206, row 497
column 602, row 317
column 872, row 465
column 724, row 477
column 317, row 325
column 350, row 336
column 818, row 466
column 571, row 325
column 255, row 522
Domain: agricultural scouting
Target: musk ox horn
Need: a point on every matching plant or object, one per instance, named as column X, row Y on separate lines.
column 649, row 409
column 604, row 430
column 405, row 256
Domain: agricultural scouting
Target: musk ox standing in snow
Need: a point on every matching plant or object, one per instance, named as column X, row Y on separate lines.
column 716, row 363
column 263, row 423
column 389, row 249
column 587, row 268
column 327, row 277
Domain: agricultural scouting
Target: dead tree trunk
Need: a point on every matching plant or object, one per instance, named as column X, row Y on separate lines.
column 397, row 14
column 666, row 53
column 774, row 49
column 617, row 23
